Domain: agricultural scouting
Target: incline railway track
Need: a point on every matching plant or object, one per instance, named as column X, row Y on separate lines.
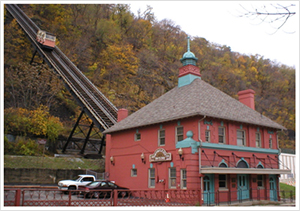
column 94, row 103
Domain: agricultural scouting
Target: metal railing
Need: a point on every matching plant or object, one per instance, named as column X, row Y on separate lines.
column 55, row 197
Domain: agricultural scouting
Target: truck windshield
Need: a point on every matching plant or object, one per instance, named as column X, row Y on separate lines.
column 78, row 179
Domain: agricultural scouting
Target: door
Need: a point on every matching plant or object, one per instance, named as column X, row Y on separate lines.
column 243, row 187
column 273, row 188
column 208, row 189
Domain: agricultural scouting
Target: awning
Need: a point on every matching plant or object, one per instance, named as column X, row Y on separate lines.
column 218, row 170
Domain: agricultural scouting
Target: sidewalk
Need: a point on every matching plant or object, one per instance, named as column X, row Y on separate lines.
column 262, row 203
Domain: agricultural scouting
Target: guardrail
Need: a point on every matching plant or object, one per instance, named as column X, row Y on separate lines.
column 55, row 197
column 51, row 197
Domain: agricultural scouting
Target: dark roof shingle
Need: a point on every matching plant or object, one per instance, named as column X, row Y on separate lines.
column 197, row 98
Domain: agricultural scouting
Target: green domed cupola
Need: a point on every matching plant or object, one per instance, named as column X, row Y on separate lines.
column 189, row 71
column 188, row 57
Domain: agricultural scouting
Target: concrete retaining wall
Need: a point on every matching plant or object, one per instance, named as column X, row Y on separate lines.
column 39, row 176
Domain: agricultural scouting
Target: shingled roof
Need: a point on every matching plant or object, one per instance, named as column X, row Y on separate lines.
column 196, row 99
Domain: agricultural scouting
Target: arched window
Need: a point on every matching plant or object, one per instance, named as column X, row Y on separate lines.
column 259, row 166
column 223, row 165
column 242, row 164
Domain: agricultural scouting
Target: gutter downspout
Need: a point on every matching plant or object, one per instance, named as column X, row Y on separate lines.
column 199, row 148
column 200, row 144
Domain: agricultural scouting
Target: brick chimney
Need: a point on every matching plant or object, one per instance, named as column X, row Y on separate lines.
column 247, row 97
column 122, row 114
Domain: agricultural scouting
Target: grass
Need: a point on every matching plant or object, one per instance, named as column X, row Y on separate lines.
column 287, row 189
column 11, row 161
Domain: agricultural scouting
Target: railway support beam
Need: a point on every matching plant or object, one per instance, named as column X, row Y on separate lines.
column 72, row 132
column 87, row 138
column 102, row 144
column 33, row 56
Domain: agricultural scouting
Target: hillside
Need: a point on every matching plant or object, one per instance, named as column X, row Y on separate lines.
column 133, row 60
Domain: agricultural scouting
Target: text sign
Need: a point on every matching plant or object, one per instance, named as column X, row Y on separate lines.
column 160, row 155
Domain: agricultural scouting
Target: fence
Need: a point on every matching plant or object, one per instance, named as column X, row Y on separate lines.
column 99, row 176
column 228, row 197
column 53, row 197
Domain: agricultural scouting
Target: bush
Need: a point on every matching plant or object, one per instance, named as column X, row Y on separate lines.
column 22, row 147
column 39, row 122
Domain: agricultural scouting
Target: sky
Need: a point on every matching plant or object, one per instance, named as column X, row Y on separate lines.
column 218, row 22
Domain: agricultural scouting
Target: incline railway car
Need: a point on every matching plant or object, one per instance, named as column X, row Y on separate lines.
column 46, row 39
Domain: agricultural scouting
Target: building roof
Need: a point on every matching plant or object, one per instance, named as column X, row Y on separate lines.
column 196, row 99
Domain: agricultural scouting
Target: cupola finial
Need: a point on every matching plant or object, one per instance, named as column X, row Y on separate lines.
column 188, row 44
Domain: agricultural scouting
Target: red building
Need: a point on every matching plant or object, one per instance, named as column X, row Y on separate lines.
column 197, row 137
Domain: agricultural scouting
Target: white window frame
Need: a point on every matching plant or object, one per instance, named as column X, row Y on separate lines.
column 151, row 178
column 258, row 139
column 242, row 138
column 161, row 137
column 270, row 143
column 136, row 138
column 176, row 131
column 172, row 177
column 262, row 181
column 183, row 179
column 223, row 188
column 224, row 141
column 134, row 172
column 207, row 137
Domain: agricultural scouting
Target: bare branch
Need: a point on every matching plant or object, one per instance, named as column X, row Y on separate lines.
column 273, row 14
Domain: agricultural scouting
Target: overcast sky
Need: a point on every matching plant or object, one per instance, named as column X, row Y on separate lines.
column 218, row 22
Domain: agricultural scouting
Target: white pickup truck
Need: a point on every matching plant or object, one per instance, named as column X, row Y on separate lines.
column 82, row 180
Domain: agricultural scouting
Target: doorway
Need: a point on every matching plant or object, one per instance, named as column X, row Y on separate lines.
column 273, row 188
column 208, row 189
column 243, row 187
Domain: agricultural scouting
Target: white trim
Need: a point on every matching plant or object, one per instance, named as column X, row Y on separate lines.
column 217, row 170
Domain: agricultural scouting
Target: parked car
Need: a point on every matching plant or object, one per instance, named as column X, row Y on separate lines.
column 103, row 189
column 82, row 180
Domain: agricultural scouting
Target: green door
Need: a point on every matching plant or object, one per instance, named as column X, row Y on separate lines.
column 243, row 187
column 208, row 189
column 273, row 188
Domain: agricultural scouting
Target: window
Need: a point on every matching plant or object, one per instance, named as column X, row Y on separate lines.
column 172, row 177
column 258, row 140
column 222, row 135
column 270, row 143
column 260, row 181
column 137, row 136
column 161, row 137
column 207, row 135
column 241, row 138
column 183, row 178
column 88, row 179
column 242, row 164
column 222, row 181
column 179, row 133
column 223, row 165
column 134, row 172
column 152, row 178
column 259, row 166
